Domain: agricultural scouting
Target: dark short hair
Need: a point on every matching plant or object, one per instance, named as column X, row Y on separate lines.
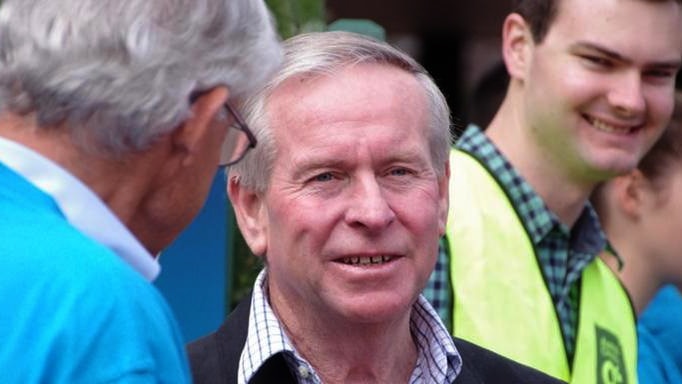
column 540, row 14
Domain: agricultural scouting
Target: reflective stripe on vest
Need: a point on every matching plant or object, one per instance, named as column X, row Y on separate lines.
column 502, row 302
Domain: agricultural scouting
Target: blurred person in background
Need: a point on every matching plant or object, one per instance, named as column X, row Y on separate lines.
column 642, row 215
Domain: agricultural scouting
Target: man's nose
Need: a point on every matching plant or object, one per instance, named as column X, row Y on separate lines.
column 368, row 207
column 627, row 95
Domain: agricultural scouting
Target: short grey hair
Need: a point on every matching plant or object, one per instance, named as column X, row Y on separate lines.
column 122, row 72
column 324, row 54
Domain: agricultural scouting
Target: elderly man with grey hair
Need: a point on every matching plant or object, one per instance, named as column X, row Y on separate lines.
column 345, row 199
column 114, row 117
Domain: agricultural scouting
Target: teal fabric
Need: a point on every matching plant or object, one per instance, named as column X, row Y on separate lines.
column 73, row 311
column 659, row 331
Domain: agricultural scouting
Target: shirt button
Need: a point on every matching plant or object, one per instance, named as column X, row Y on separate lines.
column 303, row 371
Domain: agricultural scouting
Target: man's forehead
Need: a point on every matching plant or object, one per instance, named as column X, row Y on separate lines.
column 356, row 92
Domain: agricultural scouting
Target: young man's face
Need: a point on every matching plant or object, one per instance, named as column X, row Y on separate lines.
column 598, row 90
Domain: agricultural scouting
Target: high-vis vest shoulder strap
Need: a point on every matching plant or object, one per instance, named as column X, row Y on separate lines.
column 501, row 299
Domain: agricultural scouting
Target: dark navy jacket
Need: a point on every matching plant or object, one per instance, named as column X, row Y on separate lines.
column 214, row 359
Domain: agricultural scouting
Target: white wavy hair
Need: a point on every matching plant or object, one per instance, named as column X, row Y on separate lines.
column 122, row 71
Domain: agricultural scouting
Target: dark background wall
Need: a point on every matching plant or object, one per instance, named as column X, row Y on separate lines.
column 481, row 17
column 457, row 41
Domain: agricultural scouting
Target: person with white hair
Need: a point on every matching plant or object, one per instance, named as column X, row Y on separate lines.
column 344, row 199
column 114, row 116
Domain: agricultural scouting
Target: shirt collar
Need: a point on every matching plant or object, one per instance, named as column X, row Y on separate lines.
column 611, row 251
column 532, row 210
column 438, row 361
column 265, row 336
column 81, row 207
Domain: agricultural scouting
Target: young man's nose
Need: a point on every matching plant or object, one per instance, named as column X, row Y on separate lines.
column 627, row 95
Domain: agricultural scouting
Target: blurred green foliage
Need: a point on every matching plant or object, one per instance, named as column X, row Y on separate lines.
column 298, row 16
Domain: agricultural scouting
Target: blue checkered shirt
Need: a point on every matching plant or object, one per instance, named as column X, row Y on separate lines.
column 563, row 252
column 438, row 290
column 437, row 362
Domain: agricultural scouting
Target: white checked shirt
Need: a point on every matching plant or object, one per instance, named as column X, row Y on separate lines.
column 438, row 360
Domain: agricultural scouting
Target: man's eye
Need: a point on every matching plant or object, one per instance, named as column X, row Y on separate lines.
column 326, row 176
column 661, row 73
column 399, row 172
column 598, row 61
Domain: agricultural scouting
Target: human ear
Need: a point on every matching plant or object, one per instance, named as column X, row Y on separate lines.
column 192, row 136
column 181, row 164
column 250, row 212
column 517, row 45
column 630, row 193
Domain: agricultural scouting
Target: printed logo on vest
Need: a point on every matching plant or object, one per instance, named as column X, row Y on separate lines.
column 610, row 362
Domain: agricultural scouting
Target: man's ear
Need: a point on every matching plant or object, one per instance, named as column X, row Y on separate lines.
column 250, row 211
column 200, row 128
column 517, row 45
column 444, row 198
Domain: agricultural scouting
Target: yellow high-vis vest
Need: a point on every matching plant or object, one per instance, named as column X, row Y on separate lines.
column 501, row 300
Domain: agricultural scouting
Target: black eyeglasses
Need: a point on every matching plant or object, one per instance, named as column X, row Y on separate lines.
column 238, row 141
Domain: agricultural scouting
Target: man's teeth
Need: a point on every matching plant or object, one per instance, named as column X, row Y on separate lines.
column 602, row 126
column 366, row 260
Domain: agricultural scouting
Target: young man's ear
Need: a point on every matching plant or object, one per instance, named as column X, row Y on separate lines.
column 188, row 139
column 517, row 45
column 250, row 212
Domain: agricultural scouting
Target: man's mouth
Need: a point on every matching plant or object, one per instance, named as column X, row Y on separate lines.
column 366, row 260
column 610, row 128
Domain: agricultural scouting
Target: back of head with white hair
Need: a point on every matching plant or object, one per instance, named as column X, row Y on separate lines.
column 324, row 54
column 122, row 72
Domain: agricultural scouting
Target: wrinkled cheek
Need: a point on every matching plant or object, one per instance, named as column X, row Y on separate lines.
column 427, row 234
column 302, row 231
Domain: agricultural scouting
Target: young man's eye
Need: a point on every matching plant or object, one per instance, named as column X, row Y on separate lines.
column 661, row 73
column 598, row 61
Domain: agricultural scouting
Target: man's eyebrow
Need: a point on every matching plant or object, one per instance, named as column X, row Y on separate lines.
column 409, row 156
column 305, row 164
column 664, row 64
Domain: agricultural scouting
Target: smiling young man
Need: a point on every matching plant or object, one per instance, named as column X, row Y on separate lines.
column 345, row 198
column 591, row 89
